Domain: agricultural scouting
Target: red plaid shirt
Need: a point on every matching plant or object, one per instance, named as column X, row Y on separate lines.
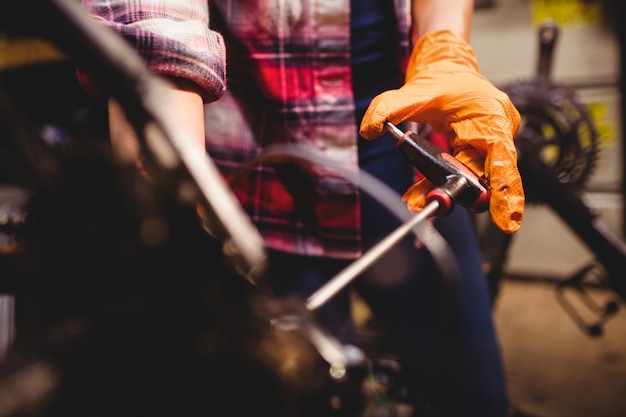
column 289, row 81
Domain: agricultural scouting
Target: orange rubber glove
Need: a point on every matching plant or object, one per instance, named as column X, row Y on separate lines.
column 443, row 87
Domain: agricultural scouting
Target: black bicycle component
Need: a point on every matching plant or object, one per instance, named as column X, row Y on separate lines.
column 608, row 248
column 556, row 126
column 558, row 147
column 454, row 182
column 599, row 312
column 548, row 35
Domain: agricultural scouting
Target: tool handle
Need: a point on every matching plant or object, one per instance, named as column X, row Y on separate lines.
column 454, row 182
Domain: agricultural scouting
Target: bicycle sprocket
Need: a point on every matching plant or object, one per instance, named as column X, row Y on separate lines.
column 557, row 127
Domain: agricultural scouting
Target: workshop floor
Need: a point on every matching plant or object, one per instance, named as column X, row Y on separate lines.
column 554, row 369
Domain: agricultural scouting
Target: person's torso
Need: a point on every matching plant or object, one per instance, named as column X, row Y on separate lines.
column 290, row 80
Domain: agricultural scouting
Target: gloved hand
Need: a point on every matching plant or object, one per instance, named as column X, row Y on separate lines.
column 443, row 87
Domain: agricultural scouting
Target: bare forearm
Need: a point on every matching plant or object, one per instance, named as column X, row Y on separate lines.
column 455, row 15
column 185, row 105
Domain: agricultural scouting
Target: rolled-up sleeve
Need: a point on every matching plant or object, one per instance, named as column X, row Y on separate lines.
column 172, row 36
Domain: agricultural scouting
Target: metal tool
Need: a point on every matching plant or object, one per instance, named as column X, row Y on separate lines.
column 347, row 275
column 454, row 183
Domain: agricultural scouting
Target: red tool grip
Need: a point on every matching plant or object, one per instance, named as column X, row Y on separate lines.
column 454, row 182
